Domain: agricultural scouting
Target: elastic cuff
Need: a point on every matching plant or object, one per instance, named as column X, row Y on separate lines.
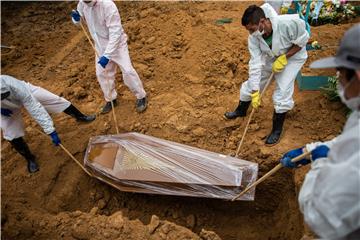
column 74, row 21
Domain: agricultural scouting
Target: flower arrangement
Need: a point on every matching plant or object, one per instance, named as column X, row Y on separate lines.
column 329, row 11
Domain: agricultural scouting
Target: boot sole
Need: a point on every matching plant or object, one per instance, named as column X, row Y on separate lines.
column 228, row 118
column 232, row 118
column 271, row 145
column 85, row 121
column 141, row 110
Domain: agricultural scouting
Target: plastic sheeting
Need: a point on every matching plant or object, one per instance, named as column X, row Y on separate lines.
column 135, row 162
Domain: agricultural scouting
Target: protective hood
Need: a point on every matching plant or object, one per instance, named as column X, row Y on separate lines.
column 5, row 90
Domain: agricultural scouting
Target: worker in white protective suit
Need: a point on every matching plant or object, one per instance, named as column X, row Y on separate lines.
column 16, row 94
column 104, row 24
column 276, row 44
column 330, row 195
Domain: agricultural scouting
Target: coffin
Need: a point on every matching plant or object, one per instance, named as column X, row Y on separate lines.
column 134, row 162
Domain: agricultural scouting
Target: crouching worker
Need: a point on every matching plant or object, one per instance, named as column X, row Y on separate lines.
column 330, row 195
column 16, row 94
column 276, row 44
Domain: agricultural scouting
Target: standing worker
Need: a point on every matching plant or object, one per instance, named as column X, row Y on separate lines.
column 104, row 23
column 276, row 44
column 330, row 194
column 16, row 94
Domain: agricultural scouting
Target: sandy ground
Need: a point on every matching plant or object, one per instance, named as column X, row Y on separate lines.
column 192, row 70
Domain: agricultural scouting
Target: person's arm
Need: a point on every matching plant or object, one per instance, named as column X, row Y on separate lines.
column 311, row 146
column 292, row 51
column 255, row 64
column 113, row 22
column 297, row 34
column 80, row 8
column 33, row 106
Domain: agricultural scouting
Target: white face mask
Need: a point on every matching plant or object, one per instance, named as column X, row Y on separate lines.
column 352, row 103
column 257, row 33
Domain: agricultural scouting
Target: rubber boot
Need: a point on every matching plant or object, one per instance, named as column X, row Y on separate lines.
column 141, row 104
column 107, row 107
column 278, row 122
column 79, row 116
column 21, row 147
column 240, row 111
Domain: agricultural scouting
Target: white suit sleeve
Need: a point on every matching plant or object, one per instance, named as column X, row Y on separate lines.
column 255, row 63
column 297, row 33
column 80, row 10
column 113, row 22
column 35, row 109
column 311, row 146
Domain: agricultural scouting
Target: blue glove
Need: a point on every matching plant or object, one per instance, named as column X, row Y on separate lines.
column 75, row 16
column 319, row 152
column 103, row 61
column 6, row 112
column 286, row 159
column 55, row 138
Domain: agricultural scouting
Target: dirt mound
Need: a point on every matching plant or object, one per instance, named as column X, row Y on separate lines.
column 79, row 225
column 192, row 70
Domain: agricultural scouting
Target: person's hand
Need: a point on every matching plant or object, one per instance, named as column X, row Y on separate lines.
column 103, row 61
column 286, row 159
column 319, row 152
column 255, row 99
column 6, row 112
column 55, row 138
column 75, row 16
column 279, row 64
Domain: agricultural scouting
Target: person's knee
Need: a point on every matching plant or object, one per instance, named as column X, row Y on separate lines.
column 283, row 105
column 129, row 71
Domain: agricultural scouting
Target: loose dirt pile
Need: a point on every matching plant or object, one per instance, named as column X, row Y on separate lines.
column 192, row 70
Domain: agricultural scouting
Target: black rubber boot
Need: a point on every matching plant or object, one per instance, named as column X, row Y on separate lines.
column 240, row 111
column 79, row 116
column 278, row 122
column 141, row 104
column 107, row 107
column 21, row 147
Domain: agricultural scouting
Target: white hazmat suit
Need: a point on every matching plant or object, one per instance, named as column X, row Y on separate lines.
column 330, row 194
column 288, row 30
column 104, row 24
column 36, row 100
column 277, row 4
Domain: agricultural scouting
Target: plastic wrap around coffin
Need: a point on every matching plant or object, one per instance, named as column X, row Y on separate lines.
column 135, row 162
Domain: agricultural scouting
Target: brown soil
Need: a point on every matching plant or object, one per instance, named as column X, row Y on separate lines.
column 192, row 70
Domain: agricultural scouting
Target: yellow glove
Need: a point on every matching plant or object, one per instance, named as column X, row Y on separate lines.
column 279, row 64
column 284, row 10
column 316, row 45
column 255, row 99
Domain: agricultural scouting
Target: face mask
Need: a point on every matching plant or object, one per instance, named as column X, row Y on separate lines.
column 257, row 33
column 352, row 103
